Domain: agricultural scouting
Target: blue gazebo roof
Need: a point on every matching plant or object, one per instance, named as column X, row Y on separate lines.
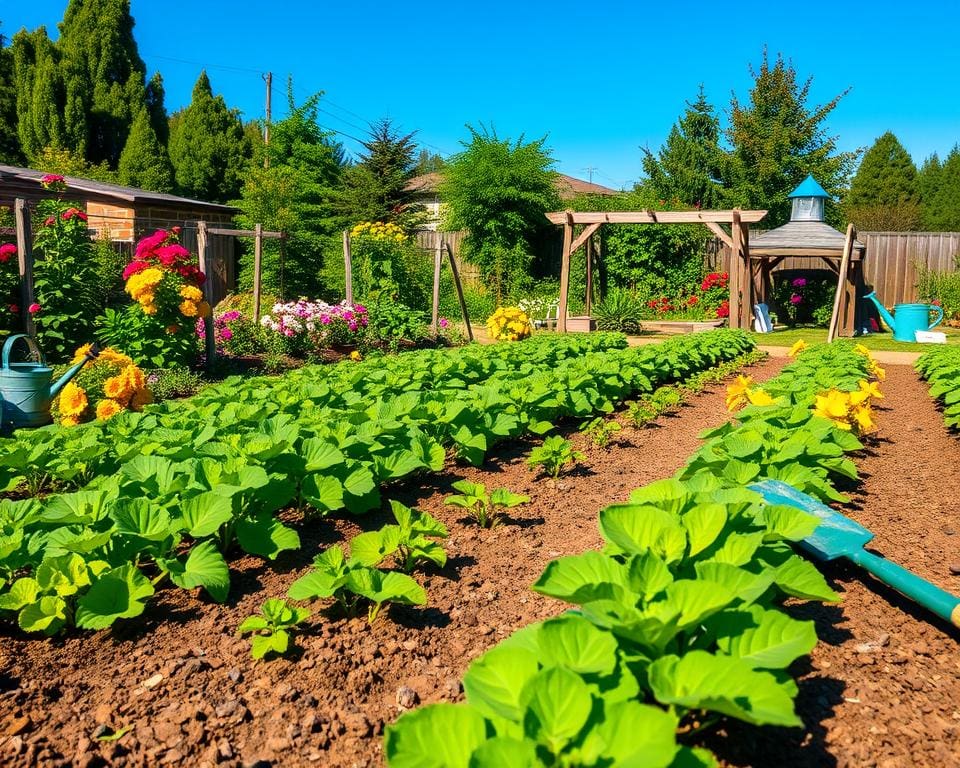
column 809, row 188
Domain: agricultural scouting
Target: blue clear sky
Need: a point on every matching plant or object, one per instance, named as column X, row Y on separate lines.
column 600, row 78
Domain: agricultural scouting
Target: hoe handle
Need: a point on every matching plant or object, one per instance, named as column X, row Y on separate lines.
column 941, row 602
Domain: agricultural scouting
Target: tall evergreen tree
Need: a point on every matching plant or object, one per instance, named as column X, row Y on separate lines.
column 428, row 162
column 40, row 93
column 103, row 74
column 9, row 141
column 777, row 139
column 144, row 161
column 944, row 206
column 928, row 179
column 885, row 194
column 208, row 147
column 688, row 168
column 154, row 100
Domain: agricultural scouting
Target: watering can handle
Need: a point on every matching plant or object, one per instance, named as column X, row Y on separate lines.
column 11, row 340
column 939, row 317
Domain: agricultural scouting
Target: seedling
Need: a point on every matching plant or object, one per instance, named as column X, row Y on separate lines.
column 486, row 508
column 272, row 627
column 600, row 431
column 554, row 455
column 409, row 541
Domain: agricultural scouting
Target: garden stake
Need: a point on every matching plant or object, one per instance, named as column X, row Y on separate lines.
column 839, row 536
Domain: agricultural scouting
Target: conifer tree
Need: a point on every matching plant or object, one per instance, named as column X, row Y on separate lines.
column 40, row 93
column 885, row 194
column 777, row 139
column 688, row 169
column 9, row 141
column 928, row 180
column 208, row 147
column 144, row 162
column 944, row 206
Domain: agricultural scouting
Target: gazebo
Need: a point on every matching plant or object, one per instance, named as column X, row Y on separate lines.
column 808, row 236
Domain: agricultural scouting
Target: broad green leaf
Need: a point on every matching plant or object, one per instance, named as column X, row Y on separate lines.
column 785, row 522
column 385, row 587
column 648, row 575
column 277, row 642
column 266, row 536
column 800, row 578
column 22, row 592
column 741, row 472
column 318, row 454
column 505, row 752
column 557, row 703
column 495, row 680
column 501, row 497
column 703, row 524
column 573, row 642
column 203, row 567
column 696, row 599
column 743, row 443
column 438, row 736
column 700, row 680
column 633, row 735
column 372, row 547
column 635, row 529
column 581, row 578
column 774, row 643
column 669, row 494
column 738, row 548
column 140, row 518
column 747, row 586
column 119, row 593
column 204, row 513
column 323, row 492
column 47, row 615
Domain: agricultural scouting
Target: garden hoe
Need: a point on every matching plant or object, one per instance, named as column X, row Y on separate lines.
column 839, row 536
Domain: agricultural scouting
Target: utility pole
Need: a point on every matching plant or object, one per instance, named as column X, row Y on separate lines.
column 268, row 78
column 590, row 169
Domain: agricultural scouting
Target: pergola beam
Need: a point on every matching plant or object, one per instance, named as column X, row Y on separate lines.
column 584, row 236
column 720, row 232
column 654, row 217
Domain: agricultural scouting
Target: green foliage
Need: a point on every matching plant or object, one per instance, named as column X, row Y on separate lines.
column 941, row 367
column 67, row 163
column 620, row 310
column 499, row 191
column 173, row 383
column 928, row 182
column 410, row 542
column 884, row 194
column 554, row 455
column 145, row 338
column 144, row 162
column 487, row 509
column 940, row 287
column 689, row 166
column 208, row 148
column 428, row 162
column 272, row 627
column 941, row 190
column 777, row 139
column 10, row 152
column 600, row 431
column 802, row 300
column 392, row 323
column 40, row 102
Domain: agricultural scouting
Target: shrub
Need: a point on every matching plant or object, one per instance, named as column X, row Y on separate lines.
column 801, row 299
column 172, row 383
column 620, row 310
column 942, row 288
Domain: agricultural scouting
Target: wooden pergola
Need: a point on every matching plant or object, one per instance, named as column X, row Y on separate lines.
column 738, row 239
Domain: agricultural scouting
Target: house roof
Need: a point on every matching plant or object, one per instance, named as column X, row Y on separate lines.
column 795, row 235
column 25, row 182
column 567, row 186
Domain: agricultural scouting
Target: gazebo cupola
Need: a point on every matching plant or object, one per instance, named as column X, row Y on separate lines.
column 808, row 201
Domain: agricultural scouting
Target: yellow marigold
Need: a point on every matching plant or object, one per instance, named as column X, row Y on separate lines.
column 134, row 378
column 69, row 421
column 191, row 293
column 116, row 387
column 73, row 400
column 355, row 355
column 141, row 398
column 797, row 348
column 151, row 276
column 149, row 309
column 110, row 355
column 80, row 353
column 203, row 309
column 108, row 408
column 188, row 308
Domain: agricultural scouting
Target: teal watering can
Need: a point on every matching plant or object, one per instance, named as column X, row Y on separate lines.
column 907, row 319
column 28, row 388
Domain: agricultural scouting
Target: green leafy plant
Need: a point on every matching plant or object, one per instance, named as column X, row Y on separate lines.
column 600, row 431
column 620, row 310
column 410, row 541
column 486, row 508
column 555, row 455
column 941, row 367
column 273, row 627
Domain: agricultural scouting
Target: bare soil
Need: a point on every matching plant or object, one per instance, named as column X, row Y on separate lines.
column 882, row 688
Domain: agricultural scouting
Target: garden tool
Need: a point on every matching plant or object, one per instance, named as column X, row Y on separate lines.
column 839, row 536
column 907, row 319
column 28, row 387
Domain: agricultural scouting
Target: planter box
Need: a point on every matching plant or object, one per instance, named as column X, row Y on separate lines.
column 581, row 324
column 680, row 326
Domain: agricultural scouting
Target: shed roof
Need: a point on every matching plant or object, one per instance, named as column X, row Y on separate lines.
column 25, row 182
column 801, row 235
column 809, row 187
column 568, row 187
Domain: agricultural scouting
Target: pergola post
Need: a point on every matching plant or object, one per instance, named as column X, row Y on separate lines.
column 736, row 272
column 565, row 272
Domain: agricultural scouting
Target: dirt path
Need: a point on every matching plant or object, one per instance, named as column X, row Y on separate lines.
column 882, row 688
column 327, row 704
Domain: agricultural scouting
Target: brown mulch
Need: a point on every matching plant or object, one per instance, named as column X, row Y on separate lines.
column 881, row 665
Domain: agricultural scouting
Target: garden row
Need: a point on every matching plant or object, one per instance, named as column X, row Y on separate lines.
column 941, row 367
column 168, row 492
column 678, row 621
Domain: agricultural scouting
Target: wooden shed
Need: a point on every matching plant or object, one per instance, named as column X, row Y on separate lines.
column 125, row 214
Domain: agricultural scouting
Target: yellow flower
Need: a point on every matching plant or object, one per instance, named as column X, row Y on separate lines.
column 863, row 416
column 188, row 308
column 110, row 355
column 80, row 353
column 861, row 350
column 833, row 405
column 73, row 400
column 107, row 409
column 737, row 392
column 867, row 390
column 191, row 293
column 141, row 398
column 356, row 356
column 150, row 309
column 798, row 347
column 116, row 387
column 203, row 309
column 877, row 371
column 759, row 397
column 69, row 421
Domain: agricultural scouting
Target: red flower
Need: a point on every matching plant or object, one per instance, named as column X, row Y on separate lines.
column 724, row 309
column 51, row 178
column 692, row 300
column 170, row 254
column 49, row 221
column 73, row 212
column 14, row 308
column 33, row 308
column 935, row 302
column 175, row 230
column 6, row 251
column 151, row 242
column 134, row 267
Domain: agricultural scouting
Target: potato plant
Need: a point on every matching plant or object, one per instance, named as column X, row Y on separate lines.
column 487, row 509
column 554, row 456
column 272, row 627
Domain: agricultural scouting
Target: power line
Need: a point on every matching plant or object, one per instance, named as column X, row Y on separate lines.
column 203, row 65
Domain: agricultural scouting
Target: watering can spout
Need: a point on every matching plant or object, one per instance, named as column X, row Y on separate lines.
column 73, row 370
column 887, row 317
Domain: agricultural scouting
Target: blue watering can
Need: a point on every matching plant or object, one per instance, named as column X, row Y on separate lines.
column 28, row 388
column 907, row 319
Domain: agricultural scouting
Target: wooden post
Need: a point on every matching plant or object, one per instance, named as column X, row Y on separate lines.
column 437, row 263
column 841, row 282
column 565, row 272
column 206, row 264
column 257, row 269
column 747, row 283
column 459, row 287
column 347, row 268
column 25, row 263
column 736, row 273
column 589, row 252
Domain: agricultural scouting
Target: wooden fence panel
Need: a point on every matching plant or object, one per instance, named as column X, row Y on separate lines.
column 429, row 240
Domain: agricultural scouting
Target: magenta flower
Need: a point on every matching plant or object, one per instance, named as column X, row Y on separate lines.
column 799, row 282
column 353, row 327
column 34, row 308
column 227, row 334
column 796, row 298
column 444, row 322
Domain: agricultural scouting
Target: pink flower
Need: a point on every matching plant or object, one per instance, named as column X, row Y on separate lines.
column 796, row 299
column 799, row 283
column 227, row 334
column 150, row 242
column 33, row 308
column 325, row 319
column 169, row 254
column 353, row 326
column 133, row 268
column 51, row 178
column 6, row 251
column 73, row 213
column 444, row 322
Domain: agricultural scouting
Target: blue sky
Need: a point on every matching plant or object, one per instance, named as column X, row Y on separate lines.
column 600, row 78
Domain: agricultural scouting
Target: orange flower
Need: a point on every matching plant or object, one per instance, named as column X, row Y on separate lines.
column 107, row 409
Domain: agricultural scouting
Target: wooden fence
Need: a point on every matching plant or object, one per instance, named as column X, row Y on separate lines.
column 428, row 240
column 890, row 266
